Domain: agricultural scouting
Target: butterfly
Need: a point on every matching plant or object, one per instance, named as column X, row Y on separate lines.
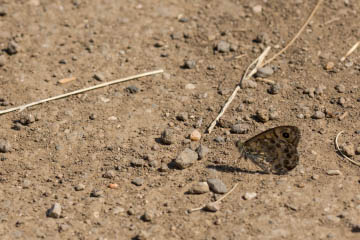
column 274, row 150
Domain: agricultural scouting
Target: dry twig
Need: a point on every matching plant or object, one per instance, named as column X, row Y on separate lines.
column 218, row 201
column 21, row 108
column 352, row 49
column 66, row 80
column 261, row 63
column 244, row 78
column 341, row 153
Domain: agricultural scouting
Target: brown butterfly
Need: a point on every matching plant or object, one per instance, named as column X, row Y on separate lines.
column 274, row 150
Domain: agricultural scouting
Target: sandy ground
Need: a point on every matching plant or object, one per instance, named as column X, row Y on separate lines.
column 65, row 153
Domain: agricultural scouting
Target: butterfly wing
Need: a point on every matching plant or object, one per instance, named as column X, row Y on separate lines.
column 274, row 150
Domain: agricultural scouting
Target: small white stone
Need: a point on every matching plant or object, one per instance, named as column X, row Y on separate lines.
column 257, row 9
column 333, row 172
column 249, row 195
column 112, row 118
column 190, row 86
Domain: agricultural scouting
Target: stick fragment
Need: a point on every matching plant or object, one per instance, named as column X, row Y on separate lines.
column 237, row 88
column 21, row 108
column 341, row 153
column 66, row 80
column 216, row 202
column 260, row 64
column 352, row 49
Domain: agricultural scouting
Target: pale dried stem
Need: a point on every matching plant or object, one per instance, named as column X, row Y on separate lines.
column 21, row 108
column 261, row 63
column 352, row 49
column 296, row 36
column 244, row 78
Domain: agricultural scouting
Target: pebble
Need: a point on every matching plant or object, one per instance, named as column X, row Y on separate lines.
column 27, row 119
column 223, row 47
column 333, row 172
column 348, row 149
column 159, row 44
column 2, row 60
column 199, row 188
column 320, row 89
column 189, row 64
column 99, row 76
column 257, row 9
column 132, row 89
column 96, row 193
column 195, row 135
column 240, row 128
column 148, row 216
column 202, row 151
column 315, row 177
column 340, row 88
column 318, row 115
column 113, row 185
column 264, row 72
column 186, row 158
column 142, row 235
column 341, row 101
column 274, row 89
column 167, row 137
column 12, row 48
column 219, row 139
column 3, row 11
column 248, row 84
column 92, row 116
column 79, row 187
column 217, row 186
column 163, row 167
column 262, row 115
column 212, row 207
column 310, row 92
column 112, row 118
column 109, row 174
column 329, row 66
column 54, row 211
column 183, row 116
column 138, row 181
column 26, row 184
column 262, row 38
column 250, row 195
column 190, row 86
column 274, row 115
column 5, row 146
column 118, row 210
column 137, row 162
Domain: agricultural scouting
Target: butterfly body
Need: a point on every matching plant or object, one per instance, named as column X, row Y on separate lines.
column 274, row 150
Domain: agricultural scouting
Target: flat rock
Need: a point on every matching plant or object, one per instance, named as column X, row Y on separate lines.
column 217, row 186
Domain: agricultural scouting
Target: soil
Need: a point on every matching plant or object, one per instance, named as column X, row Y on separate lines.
column 67, row 152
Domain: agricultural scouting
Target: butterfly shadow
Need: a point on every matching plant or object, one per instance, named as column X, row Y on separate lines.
column 226, row 168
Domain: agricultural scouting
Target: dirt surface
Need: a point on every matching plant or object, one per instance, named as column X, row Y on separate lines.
column 67, row 152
